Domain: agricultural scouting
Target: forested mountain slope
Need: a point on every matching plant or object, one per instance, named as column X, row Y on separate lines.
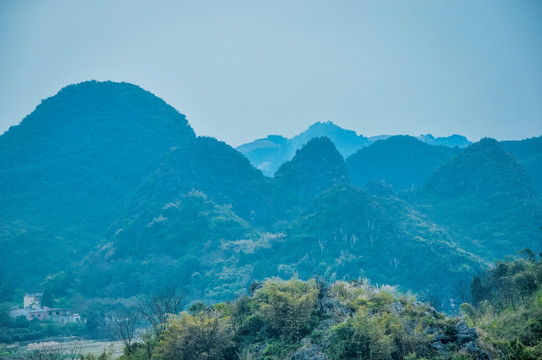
column 315, row 168
column 404, row 162
column 109, row 184
column 485, row 199
column 67, row 169
column 529, row 154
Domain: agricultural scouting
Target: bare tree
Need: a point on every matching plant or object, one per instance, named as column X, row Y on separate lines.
column 4, row 280
column 157, row 307
column 54, row 351
column 254, row 286
column 123, row 326
column 462, row 291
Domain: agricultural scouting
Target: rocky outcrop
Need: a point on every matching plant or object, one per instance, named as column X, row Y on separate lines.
column 462, row 337
column 309, row 351
column 334, row 311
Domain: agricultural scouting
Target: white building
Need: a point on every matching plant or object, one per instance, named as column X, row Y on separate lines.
column 33, row 301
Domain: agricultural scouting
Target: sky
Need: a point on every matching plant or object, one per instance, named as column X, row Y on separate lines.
column 241, row 70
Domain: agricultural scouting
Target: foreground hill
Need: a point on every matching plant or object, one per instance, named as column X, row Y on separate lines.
column 68, row 168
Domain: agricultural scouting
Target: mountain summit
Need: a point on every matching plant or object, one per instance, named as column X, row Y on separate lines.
column 70, row 165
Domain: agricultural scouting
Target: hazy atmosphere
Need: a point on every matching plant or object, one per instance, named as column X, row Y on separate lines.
column 271, row 180
column 241, row 70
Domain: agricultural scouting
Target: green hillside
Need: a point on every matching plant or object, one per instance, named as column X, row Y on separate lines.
column 486, row 201
column 108, row 187
column 402, row 161
column 68, row 168
column 315, row 168
column 529, row 154
column 348, row 233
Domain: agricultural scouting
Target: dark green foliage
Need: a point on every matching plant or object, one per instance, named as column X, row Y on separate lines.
column 478, row 292
column 403, row 162
column 318, row 166
column 509, row 308
column 47, row 299
column 177, row 241
column 57, row 285
column 117, row 197
column 485, row 201
column 348, row 233
column 67, row 169
column 216, row 169
column 529, row 154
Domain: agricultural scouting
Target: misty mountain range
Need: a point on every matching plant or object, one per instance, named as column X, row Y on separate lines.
column 269, row 153
column 108, row 183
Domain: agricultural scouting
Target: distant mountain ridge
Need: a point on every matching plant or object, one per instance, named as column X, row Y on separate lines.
column 269, row 153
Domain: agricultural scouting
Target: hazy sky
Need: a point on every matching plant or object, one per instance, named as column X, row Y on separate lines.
column 241, row 70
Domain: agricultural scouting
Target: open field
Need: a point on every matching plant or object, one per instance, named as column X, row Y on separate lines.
column 93, row 347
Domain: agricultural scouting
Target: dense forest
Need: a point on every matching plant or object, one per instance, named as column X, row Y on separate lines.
column 108, row 195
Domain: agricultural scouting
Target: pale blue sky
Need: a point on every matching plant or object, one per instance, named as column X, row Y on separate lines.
column 241, row 70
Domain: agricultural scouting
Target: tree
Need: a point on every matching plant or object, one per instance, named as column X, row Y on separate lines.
column 288, row 305
column 461, row 289
column 95, row 320
column 360, row 337
column 54, row 351
column 5, row 288
column 123, row 325
column 156, row 308
column 47, row 299
column 477, row 290
column 527, row 254
column 470, row 313
column 203, row 336
column 58, row 283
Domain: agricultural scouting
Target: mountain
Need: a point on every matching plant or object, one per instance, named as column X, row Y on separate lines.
column 315, row 168
column 198, row 209
column 449, row 141
column 529, row 154
column 69, row 166
column 217, row 170
column 176, row 240
column 349, row 233
column 485, row 199
column 269, row 153
column 196, row 219
column 108, row 186
column 403, row 162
